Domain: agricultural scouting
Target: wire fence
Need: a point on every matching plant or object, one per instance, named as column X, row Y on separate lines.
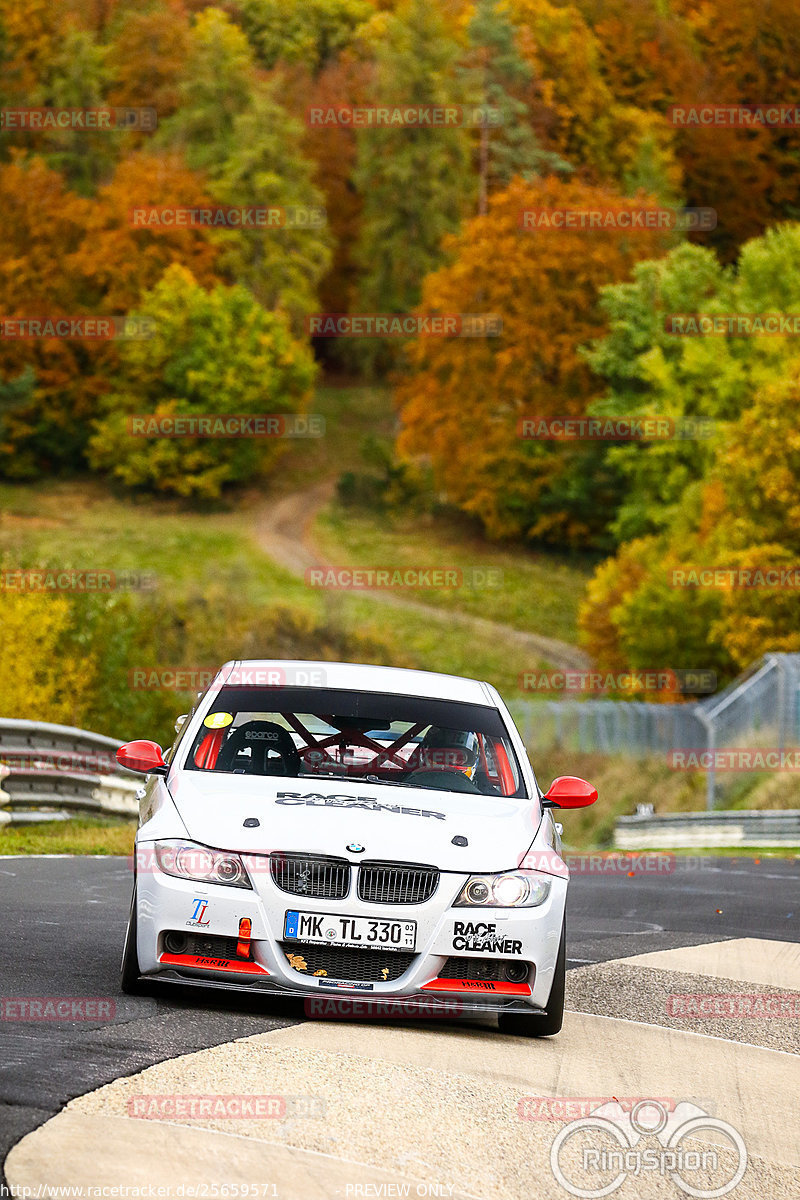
column 607, row 726
column 760, row 709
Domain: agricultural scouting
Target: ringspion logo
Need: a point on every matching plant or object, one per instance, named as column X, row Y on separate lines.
column 700, row 1154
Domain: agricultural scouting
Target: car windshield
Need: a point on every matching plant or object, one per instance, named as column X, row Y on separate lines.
column 357, row 736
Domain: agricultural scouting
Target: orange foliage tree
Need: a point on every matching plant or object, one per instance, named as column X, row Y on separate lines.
column 43, row 224
column 147, row 56
column 120, row 260
column 463, row 397
column 332, row 149
column 63, row 255
column 576, row 111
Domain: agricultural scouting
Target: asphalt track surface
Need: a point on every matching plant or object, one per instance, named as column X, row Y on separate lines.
column 63, row 923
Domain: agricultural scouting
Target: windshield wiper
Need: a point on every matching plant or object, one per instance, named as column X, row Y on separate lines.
column 351, row 779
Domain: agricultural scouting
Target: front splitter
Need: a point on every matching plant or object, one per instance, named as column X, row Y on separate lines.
column 417, row 1004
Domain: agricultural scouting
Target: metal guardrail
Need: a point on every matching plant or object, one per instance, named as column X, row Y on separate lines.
column 50, row 772
column 678, row 831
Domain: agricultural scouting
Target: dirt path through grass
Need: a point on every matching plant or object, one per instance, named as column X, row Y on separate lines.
column 283, row 530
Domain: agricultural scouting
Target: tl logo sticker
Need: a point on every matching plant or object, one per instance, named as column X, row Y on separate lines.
column 200, row 907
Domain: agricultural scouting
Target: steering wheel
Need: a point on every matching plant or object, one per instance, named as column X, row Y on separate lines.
column 456, row 781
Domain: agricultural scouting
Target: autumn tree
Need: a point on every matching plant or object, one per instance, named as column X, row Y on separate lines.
column 123, row 253
column 576, row 113
column 29, row 35
column 44, row 224
column 311, row 32
column 648, row 54
column 495, row 74
column 653, row 56
column 697, row 382
column 332, row 151
column 231, row 129
column 463, row 397
column 635, row 614
column 649, row 605
column 416, row 180
column 146, row 57
column 751, row 53
column 44, row 674
column 215, row 351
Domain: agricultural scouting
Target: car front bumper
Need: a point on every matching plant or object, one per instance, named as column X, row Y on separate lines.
column 527, row 939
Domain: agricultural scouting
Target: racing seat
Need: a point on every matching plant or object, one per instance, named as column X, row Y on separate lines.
column 272, row 750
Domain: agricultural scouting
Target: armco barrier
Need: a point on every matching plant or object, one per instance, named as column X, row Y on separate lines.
column 56, row 770
column 678, row 831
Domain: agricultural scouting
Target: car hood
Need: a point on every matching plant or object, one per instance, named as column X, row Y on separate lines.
column 325, row 816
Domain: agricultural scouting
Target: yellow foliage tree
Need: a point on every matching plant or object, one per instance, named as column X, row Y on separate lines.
column 44, row 676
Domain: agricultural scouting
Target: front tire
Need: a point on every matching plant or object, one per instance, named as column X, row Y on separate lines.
column 129, row 980
column 548, row 1024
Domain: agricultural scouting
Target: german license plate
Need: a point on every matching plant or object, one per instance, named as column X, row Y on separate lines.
column 325, row 929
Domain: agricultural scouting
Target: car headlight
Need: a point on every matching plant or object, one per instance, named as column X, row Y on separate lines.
column 187, row 860
column 516, row 889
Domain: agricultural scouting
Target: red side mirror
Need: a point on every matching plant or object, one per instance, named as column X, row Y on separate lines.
column 569, row 792
column 145, row 757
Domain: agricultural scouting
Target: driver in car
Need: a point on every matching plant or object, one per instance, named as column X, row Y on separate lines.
column 451, row 751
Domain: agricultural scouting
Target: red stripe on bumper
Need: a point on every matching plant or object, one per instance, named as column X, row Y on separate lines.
column 492, row 987
column 213, row 964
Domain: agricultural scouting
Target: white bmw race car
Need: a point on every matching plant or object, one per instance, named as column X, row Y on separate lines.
column 370, row 833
